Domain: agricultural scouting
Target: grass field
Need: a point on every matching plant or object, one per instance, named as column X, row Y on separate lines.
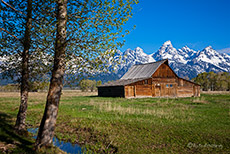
column 118, row 125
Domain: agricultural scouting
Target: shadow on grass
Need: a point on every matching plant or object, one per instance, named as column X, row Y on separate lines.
column 96, row 96
column 13, row 142
column 93, row 96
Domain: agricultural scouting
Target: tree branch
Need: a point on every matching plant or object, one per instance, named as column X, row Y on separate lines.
column 12, row 7
column 8, row 33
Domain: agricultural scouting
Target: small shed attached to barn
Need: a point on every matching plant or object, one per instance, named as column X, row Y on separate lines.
column 155, row 79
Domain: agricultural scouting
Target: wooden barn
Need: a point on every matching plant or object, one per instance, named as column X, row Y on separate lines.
column 155, row 79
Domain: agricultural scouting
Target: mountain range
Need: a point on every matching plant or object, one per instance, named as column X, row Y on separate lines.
column 185, row 62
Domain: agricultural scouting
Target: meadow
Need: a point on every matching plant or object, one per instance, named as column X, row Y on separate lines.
column 119, row 125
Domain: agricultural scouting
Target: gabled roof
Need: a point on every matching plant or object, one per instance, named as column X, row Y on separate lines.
column 121, row 82
column 137, row 73
column 143, row 70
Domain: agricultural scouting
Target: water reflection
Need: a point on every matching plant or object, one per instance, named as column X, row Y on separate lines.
column 64, row 146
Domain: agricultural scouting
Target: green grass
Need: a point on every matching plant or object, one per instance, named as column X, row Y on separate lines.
column 145, row 125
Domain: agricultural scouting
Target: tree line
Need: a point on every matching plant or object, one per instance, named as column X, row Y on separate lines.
column 86, row 85
column 33, row 87
column 213, row 81
column 52, row 36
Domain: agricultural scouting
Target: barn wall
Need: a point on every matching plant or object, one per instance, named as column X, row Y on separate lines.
column 139, row 89
column 164, row 83
column 187, row 89
column 143, row 82
column 113, row 91
column 164, row 71
column 196, row 91
column 129, row 91
column 164, row 80
column 164, row 87
column 143, row 90
column 169, row 90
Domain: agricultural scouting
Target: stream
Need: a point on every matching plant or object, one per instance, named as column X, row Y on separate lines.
column 64, row 146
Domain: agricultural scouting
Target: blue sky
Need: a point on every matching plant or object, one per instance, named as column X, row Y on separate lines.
column 195, row 23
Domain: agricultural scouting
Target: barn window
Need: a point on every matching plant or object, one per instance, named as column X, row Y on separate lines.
column 146, row 81
column 167, row 85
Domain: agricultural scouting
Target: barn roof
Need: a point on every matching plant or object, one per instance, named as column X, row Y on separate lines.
column 142, row 70
column 136, row 73
column 121, row 82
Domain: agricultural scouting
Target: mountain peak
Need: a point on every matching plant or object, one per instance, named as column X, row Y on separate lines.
column 167, row 43
column 185, row 47
column 138, row 49
column 167, row 47
column 208, row 48
column 128, row 50
column 187, row 50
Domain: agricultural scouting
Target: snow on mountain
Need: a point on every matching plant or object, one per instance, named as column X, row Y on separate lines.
column 210, row 56
column 136, row 56
column 185, row 62
column 226, row 57
column 186, row 52
column 210, row 60
column 126, row 59
column 166, row 51
column 132, row 57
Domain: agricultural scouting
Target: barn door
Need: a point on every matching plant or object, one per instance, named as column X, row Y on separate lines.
column 153, row 90
column 194, row 91
column 172, row 90
column 131, row 91
column 157, row 90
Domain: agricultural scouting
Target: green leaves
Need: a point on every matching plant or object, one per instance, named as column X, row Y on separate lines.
column 94, row 29
column 94, row 32
column 213, row 81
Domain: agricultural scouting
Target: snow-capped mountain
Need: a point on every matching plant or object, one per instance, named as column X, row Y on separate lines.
column 132, row 57
column 125, row 59
column 167, row 51
column 210, row 60
column 185, row 62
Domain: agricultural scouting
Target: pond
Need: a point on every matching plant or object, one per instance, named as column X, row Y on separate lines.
column 64, row 146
